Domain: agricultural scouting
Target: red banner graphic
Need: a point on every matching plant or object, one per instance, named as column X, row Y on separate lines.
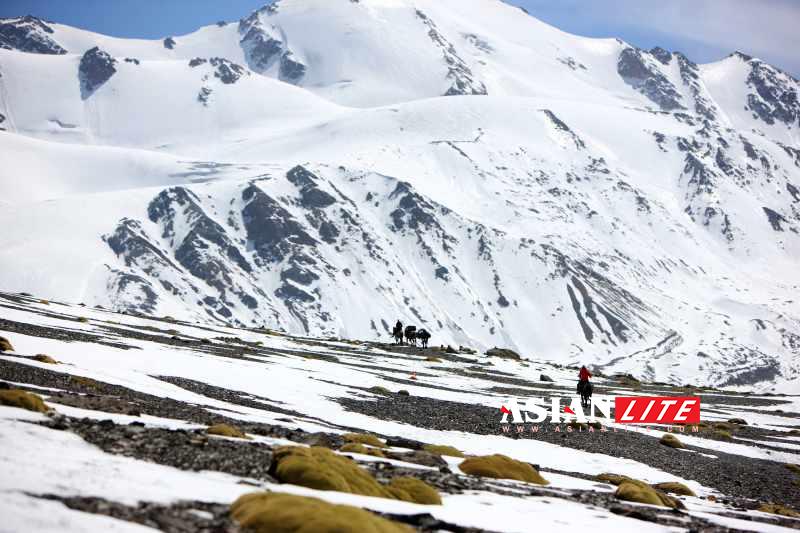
column 657, row 409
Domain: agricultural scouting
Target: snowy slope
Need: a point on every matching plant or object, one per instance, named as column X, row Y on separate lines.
column 327, row 167
column 131, row 399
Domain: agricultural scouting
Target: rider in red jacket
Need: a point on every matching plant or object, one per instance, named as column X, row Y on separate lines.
column 583, row 379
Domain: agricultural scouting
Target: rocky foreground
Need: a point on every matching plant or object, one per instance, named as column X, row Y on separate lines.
column 154, row 422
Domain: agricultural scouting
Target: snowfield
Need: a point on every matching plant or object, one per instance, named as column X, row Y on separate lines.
column 323, row 168
column 223, row 226
column 316, row 380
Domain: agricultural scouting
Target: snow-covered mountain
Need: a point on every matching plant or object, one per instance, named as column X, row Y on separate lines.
column 328, row 166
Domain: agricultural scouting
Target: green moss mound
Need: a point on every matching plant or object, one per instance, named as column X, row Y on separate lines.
column 501, row 467
column 722, row 434
column 355, row 447
column 226, row 430
column 403, row 392
column 380, row 390
column 321, row 469
column 613, row 479
column 722, row 426
column 674, row 487
column 82, row 319
column 776, row 508
column 5, row 345
column 443, row 450
column 671, row 440
column 23, row 400
column 794, row 468
column 364, row 438
column 414, row 490
column 266, row 512
column 633, row 490
column 42, row 358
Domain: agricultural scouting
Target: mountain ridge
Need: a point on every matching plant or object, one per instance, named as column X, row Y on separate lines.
column 572, row 198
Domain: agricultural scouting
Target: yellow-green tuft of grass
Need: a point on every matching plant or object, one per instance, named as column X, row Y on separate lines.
column 722, row 434
column 613, row 479
column 320, row 468
column 42, row 358
column 501, row 467
column 794, row 432
column 355, row 447
column 443, row 450
column 793, row 467
column 722, row 426
column 265, row 512
column 776, row 508
column 23, row 400
column 674, row 487
column 671, row 440
column 411, row 489
column 432, row 359
column 633, row 490
column 377, row 389
column 44, row 302
column 82, row 319
column 81, row 381
column 364, row 438
column 226, row 430
column 5, row 345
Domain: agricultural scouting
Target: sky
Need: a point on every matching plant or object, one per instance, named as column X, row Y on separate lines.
column 704, row 30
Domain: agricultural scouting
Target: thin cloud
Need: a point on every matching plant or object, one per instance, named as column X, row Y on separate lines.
column 711, row 28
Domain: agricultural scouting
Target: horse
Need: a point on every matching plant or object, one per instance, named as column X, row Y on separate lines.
column 423, row 336
column 397, row 333
column 586, row 393
column 411, row 335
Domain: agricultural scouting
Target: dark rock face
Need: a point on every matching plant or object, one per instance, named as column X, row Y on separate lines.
column 132, row 292
column 225, row 71
column 95, row 69
column 169, row 43
column 312, row 197
column 262, row 49
column 636, row 71
column 28, row 34
column 774, row 218
column 205, row 250
column 662, row 55
column 271, row 229
column 561, row 126
column 463, row 79
column 291, row 69
column 134, row 246
column 775, row 96
column 691, row 78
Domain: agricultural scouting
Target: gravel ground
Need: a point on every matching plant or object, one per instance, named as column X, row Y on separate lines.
column 180, row 517
column 733, row 475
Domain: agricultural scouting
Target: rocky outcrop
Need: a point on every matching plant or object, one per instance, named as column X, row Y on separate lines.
column 640, row 70
column 95, row 69
column 264, row 47
column 29, row 34
column 463, row 81
column 774, row 94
